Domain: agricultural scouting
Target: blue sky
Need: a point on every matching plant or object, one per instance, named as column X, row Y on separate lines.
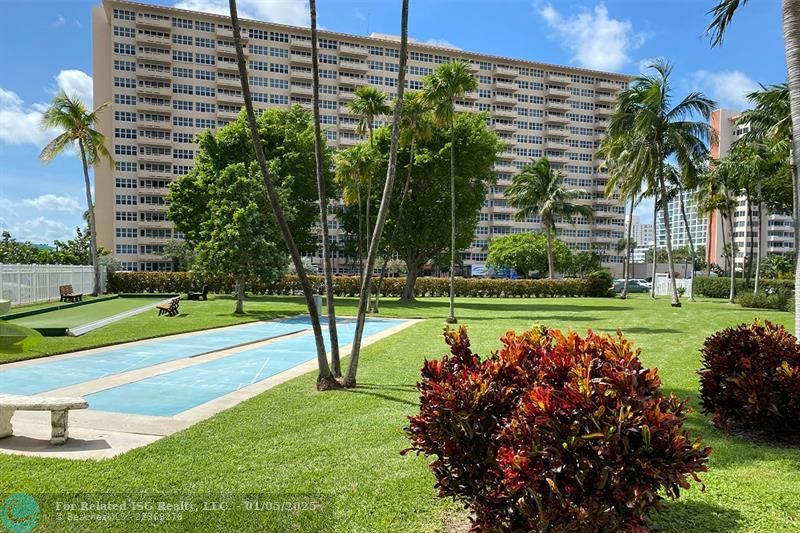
column 46, row 45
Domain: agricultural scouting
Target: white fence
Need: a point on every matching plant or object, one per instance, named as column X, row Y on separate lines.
column 28, row 284
column 664, row 285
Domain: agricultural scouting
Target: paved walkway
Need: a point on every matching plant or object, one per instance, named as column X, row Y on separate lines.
column 101, row 435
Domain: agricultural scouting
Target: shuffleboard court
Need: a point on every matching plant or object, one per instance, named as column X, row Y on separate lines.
column 174, row 392
column 44, row 375
column 83, row 314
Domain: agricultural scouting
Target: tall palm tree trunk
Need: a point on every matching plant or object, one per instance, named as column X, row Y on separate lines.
column 350, row 379
column 676, row 302
column 748, row 240
column 691, row 240
column 451, row 318
column 627, row 264
column 92, row 225
column 360, row 234
column 732, row 255
column 791, row 34
column 757, row 278
column 655, row 247
column 336, row 366
column 325, row 379
column 390, row 243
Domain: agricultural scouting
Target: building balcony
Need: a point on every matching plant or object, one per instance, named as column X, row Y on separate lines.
column 154, row 91
column 559, row 79
column 506, row 72
column 349, row 82
column 461, row 108
column 304, row 105
column 227, row 33
column 352, row 66
column 157, row 108
column 300, row 75
column 300, row 44
column 152, row 141
column 505, row 86
column 557, row 92
column 557, row 132
column 558, row 158
column 603, row 111
column 150, row 191
column 500, row 126
column 556, row 145
column 607, row 86
column 229, row 82
column 352, row 51
column 504, row 113
column 159, row 24
column 155, row 158
column 230, row 98
column 348, row 126
column 345, row 141
column 559, row 105
column 605, row 97
column 231, row 50
column 228, row 66
column 142, row 38
column 504, row 100
column 346, row 97
column 301, row 90
column 149, row 174
column 165, row 74
column 154, row 125
column 151, row 56
column 551, row 118
column 300, row 61
column 227, row 115
column 472, row 96
column 507, row 155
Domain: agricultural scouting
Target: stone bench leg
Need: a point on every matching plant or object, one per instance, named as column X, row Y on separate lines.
column 59, row 421
column 5, row 423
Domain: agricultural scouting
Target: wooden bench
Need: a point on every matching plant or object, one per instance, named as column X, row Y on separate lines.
column 199, row 295
column 68, row 295
column 59, row 413
column 170, row 308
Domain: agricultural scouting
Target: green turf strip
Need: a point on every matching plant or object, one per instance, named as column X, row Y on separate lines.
column 84, row 314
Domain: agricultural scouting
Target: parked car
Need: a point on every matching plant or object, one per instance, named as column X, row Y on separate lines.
column 634, row 286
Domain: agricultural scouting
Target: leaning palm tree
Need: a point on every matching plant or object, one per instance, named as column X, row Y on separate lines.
column 537, row 190
column 368, row 105
column 325, row 379
column 363, row 301
column 656, row 131
column 679, row 181
column 354, row 168
column 441, row 88
column 336, row 367
column 69, row 114
column 723, row 13
column 414, row 124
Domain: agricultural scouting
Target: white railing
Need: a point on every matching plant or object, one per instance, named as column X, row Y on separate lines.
column 664, row 285
column 28, row 284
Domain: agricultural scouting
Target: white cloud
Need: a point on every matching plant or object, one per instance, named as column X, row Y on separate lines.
column 359, row 15
column 60, row 21
column 51, row 202
column 32, row 219
column 728, row 87
column 595, row 40
column 442, row 43
column 293, row 12
column 40, row 230
column 21, row 123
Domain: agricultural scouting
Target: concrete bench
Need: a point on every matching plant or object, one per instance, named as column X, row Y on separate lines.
column 59, row 413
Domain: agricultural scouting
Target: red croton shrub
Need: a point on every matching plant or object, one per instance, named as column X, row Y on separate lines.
column 751, row 379
column 554, row 432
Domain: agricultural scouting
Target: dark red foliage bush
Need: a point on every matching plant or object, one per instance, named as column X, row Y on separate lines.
column 553, row 433
column 751, row 379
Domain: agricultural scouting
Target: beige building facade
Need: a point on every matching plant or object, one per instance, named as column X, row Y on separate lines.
column 170, row 74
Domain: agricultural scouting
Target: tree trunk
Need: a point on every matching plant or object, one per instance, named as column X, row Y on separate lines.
column 394, row 231
column 411, row 281
column 747, row 259
column 549, row 238
column 336, row 366
column 732, row 255
column 92, row 224
column 451, row 318
column 655, row 247
column 369, row 202
column 360, row 235
column 691, row 240
column 725, row 255
column 676, row 302
column 239, row 295
column 325, row 379
column 757, row 278
column 372, row 253
column 627, row 264
column 791, row 37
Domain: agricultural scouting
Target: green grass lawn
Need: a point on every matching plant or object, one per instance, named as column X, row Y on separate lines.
column 83, row 314
column 341, row 449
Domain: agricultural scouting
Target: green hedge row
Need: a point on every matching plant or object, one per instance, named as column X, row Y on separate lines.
column 720, row 287
column 181, row 282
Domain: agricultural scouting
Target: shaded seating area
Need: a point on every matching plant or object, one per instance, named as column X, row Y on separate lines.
column 170, row 308
column 199, row 295
column 68, row 294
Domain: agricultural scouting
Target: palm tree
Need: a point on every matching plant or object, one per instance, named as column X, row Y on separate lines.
column 680, row 180
column 69, row 114
column 656, row 131
column 336, row 367
column 441, row 88
column 354, row 168
column 537, row 190
column 372, row 254
column 723, row 13
column 325, row 379
column 368, row 104
column 414, row 124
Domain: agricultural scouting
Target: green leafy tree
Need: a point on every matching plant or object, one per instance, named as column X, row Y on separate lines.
column 538, row 190
column 583, row 263
column 652, row 130
column 70, row 115
column 441, row 88
column 180, row 253
column 354, row 169
column 529, row 253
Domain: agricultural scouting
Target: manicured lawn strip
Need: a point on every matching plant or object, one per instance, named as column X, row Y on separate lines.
column 340, row 449
column 83, row 314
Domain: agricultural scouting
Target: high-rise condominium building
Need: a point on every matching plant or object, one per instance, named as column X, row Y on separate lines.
column 775, row 230
column 642, row 235
column 698, row 224
column 170, row 74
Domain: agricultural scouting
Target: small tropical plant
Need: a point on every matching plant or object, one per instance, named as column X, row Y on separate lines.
column 751, row 379
column 554, row 432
